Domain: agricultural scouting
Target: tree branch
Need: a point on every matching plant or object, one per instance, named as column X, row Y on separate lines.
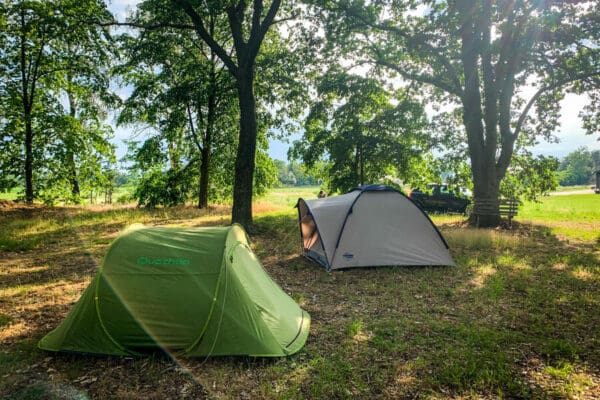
column 256, row 14
column 429, row 79
column 204, row 35
column 235, row 25
column 411, row 38
column 192, row 128
column 257, row 38
column 508, row 140
column 149, row 27
column 544, row 89
column 431, row 50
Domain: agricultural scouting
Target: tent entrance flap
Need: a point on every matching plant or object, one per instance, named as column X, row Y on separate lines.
column 311, row 238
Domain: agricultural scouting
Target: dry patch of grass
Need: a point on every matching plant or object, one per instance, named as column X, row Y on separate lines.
column 517, row 317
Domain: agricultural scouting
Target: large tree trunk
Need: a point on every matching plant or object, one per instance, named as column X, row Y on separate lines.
column 28, row 160
column 485, row 202
column 204, row 176
column 207, row 140
column 244, row 163
column 482, row 144
column 70, row 153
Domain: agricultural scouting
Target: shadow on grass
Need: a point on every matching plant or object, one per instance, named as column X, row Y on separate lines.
column 517, row 317
column 518, row 306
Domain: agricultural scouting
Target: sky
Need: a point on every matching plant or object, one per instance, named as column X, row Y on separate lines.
column 570, row 134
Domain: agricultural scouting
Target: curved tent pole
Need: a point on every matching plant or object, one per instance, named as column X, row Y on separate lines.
column 212, row 307
column 96, row 288
column 97, row 302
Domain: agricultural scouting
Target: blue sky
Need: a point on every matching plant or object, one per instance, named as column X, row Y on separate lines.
column 571, row 134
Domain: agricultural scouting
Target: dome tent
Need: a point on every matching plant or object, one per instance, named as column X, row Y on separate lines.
column 201, row 291
column 372, row 225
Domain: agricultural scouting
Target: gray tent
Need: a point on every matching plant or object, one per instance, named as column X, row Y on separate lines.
column 372, row 225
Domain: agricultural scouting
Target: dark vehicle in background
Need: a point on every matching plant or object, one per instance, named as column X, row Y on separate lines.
column 439, row 198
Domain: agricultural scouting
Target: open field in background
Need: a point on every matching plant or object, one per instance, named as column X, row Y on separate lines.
column 10, row 195
column 286, row 197
column 517, row 317
column 573, row 217
column 573, row 188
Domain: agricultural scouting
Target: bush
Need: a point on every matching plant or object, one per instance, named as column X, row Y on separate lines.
column 158, row 187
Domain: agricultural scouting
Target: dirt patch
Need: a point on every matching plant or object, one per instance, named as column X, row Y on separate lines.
column 7, row 204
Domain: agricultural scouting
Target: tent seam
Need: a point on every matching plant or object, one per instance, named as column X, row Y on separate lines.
column 214, row 302
column 97, row 307
column 299, row 331
column 341, row 232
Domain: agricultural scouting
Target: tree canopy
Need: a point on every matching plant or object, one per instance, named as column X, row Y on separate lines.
column 211, row 82
column 53, row 97
column 577, row 167
column 362, row 134
column 504, row 65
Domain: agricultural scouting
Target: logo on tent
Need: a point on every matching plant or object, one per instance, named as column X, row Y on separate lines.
column 162, row 261
column 348, row 256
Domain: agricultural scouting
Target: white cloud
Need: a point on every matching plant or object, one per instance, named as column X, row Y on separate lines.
column 571, row 133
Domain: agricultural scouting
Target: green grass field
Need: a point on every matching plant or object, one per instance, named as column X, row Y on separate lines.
column 572, row 188
column 516, row 318
column 10, row 195
column 288, row 196
column 574, row 216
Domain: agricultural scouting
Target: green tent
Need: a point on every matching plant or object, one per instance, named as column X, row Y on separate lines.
column 198, row 291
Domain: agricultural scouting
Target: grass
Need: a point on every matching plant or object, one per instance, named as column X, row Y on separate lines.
column 573, row 188
column 287, row 197
column 10, row 195
column 575, row 217
column 516, row 318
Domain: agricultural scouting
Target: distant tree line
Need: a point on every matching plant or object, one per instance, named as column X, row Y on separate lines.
column 578, row 166
column 294, row 174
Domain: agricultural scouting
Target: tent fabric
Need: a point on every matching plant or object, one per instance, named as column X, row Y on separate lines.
column 197, row 291
column 373, row 225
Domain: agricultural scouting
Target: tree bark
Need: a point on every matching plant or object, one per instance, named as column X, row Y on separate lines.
column 482, row 144
column 75, row 191
column 204, row 177
column 28, row 160
column 245, row 159
column 70, row 153
column 205, row 153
